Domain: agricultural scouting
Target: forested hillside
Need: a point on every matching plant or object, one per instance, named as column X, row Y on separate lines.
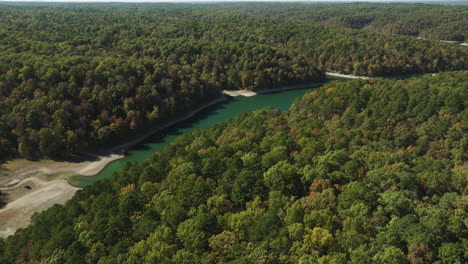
column 80, row 76
column 72, row 78
column 427, row 21
column 367, row 171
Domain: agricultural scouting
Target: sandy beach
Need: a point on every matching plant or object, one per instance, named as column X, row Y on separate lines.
column 349, row 76
column 47, row 178
column 248, row 93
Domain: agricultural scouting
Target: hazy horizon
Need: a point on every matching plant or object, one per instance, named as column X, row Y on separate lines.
column 221, row 1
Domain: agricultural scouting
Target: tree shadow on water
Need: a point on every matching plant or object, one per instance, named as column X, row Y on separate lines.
column 180, row 128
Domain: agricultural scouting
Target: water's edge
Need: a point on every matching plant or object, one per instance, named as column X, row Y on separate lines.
column 221, row 99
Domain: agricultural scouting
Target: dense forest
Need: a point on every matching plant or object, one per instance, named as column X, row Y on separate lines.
column 426, row 21
column 74, row 76
column 366, row 171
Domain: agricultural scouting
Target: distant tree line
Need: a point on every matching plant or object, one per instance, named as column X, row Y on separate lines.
column 437, row 22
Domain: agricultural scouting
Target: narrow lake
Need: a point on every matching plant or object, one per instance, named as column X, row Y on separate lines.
column 209, row 116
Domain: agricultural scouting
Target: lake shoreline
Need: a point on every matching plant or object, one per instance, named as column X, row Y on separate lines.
column 103, row 156
column 48, row 178
column 250, row 93
column 44, row 193
column 348, row 76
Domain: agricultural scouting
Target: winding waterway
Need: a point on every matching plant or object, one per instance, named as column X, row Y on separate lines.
column 208, row 117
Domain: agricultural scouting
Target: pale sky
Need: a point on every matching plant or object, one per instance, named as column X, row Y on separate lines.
column 174, row 1
column 462, row 2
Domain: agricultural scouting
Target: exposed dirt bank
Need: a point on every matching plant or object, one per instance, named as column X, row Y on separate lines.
column 47, row 178
column 25, row 202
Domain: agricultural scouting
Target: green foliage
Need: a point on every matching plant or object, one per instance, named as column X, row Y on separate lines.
column 77, row 77
column 427, row 21
column 367, row 171
column 390, row 255
column 452, row 253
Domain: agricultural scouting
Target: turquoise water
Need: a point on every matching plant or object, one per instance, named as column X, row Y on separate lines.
column 210, row 116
